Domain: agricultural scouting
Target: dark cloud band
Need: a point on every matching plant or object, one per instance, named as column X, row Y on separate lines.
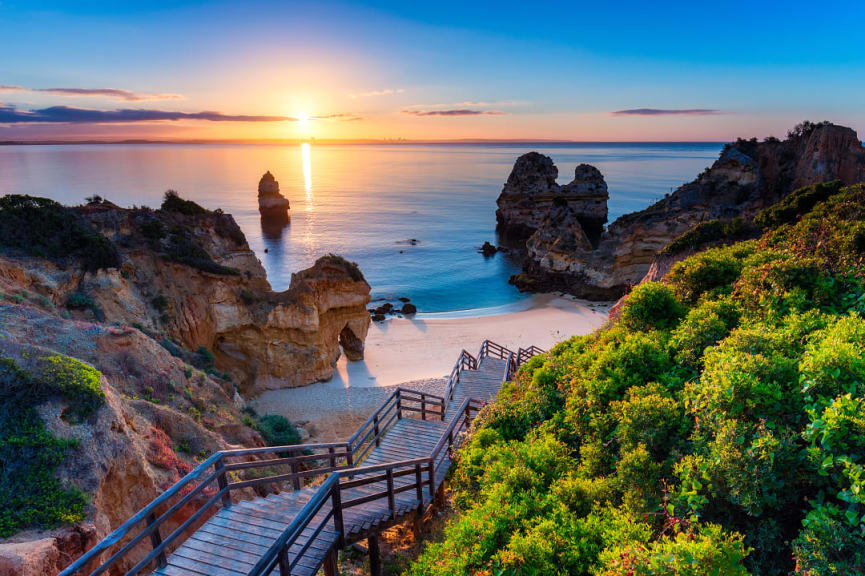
column 666, row 112
column 454, row 112
column 118, row 93
column 69, row 115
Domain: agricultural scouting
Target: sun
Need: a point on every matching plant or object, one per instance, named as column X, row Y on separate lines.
column 303, row 119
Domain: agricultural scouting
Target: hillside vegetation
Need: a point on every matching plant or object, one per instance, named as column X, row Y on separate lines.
column 717, row 428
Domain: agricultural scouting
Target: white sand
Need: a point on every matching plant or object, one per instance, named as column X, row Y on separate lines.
column 424, row 348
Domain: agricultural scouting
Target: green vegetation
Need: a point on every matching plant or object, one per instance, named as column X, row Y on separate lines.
column 277, row 430
column 42, row 227
column 182, row 248
column 32, row 496
column 708, row 233
column 172, row 202
column 718, row 428
column 799, row 202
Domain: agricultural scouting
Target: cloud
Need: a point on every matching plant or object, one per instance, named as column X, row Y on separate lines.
column 452, row 112
column 472, row 103
column 342, row 117
column 666, row 112
column 69, row 115
column 385, row 92
column 117, row 93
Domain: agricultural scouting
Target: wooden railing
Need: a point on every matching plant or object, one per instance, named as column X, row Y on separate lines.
column 465, row 362
column 421, row 470
column 526, row 354
column 209, row 485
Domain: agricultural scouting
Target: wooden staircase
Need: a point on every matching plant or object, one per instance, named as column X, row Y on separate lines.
column 317, row 498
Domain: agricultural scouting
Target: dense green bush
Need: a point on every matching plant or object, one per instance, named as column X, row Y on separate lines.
column 182, row 248
column 716, row 269
column 32, row 496
column 709, row 233
column 42, row 227
column 277, row 430
column 799, row 202
column 651, row 306
column 172, row 202
column 718, row 428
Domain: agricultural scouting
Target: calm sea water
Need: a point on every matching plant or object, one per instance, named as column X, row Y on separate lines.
column 366, row 202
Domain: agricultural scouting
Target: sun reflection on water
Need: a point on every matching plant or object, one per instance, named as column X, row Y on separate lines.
column 307, row 173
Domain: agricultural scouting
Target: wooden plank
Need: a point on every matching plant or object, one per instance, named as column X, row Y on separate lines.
column 184, row 566
column 210, row 561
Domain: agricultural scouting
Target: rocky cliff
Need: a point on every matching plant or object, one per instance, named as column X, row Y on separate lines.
column 187, row 276
column 747, row 177
column 126, row 338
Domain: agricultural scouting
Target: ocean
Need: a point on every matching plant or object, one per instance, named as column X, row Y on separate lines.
column 411, row 215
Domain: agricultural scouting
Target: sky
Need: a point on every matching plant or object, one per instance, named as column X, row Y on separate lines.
column 445, row 70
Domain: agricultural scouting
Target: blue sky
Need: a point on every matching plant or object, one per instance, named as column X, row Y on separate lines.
column 429, row 70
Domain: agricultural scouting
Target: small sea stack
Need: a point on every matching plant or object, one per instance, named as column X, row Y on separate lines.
column 271, row 204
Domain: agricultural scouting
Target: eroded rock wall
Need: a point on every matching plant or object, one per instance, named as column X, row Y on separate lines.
column 747, row 177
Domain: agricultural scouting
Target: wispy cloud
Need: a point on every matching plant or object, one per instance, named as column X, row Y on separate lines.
column 666, row 112
column 385, row 92
column 69, row 115
column 116, row 93
column 342, row 117
column 452, row 112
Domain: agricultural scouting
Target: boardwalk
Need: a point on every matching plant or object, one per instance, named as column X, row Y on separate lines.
column 391, row 468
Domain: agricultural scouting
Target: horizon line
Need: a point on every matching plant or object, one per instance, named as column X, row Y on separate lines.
column 294, row 141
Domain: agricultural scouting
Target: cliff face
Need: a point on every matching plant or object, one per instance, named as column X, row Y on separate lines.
column 157, row 416
column 190, row 277
column 747, row 177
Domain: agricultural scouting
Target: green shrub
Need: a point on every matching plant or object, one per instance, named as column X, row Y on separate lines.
column 706, row 551
column 712, row 270
column 834, row 362
column 75, row 381
column 32, row 496
column 799, row 202
column 704, row 326
column 159, row 302
column 42, row 227
column 711, row 232
column 652, row 418
column 172, row 202
column 82, row 301
column 828, row 544
column 651, row 306
column 277, row 430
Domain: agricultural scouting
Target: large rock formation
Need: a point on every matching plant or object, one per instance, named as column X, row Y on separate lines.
column 190, row 277
column 271, row 204
column 531, row 193
column 747, row 177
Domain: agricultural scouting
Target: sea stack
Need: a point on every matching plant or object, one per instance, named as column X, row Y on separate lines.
column 271, row 204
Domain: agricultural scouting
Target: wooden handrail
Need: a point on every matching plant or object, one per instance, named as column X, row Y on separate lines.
column 216, row 468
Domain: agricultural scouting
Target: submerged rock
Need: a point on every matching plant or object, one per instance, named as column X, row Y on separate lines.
column 488, row 249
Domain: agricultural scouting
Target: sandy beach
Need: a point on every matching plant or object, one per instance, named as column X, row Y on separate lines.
column 418, row 353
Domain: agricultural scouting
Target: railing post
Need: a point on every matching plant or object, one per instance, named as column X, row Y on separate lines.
column 432, row 479
column 332, row 458
column 398, row 405
column 222, row 482
column 336, row 503
column 295, row 480
column 443, row 409
column 391, row 499
column 284, row 564
column 423, row 406
column 349, row 456
column 375, row 429
column 156, row 541
column 418, row 480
